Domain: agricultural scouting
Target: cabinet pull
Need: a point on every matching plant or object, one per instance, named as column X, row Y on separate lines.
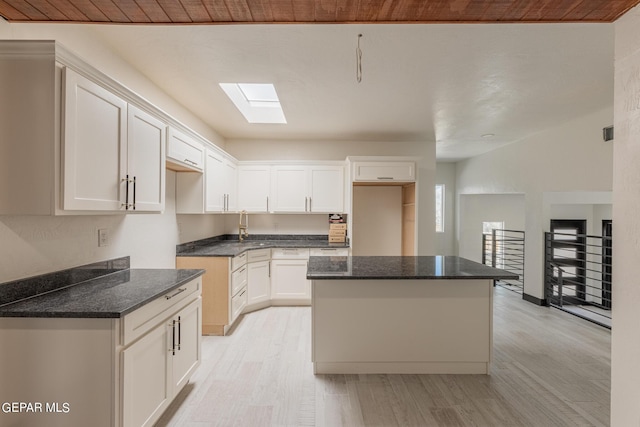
column 173, row 337
column 134, row 193
column 267, row 203
column 385, row 177
column 243, row 292
column 306, row 202
column 190, row 162
column 179, row 334
column 180, row 290
column 309, row 204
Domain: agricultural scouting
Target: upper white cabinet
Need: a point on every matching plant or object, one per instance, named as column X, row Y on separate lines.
column 214, row 191
column 113, row 152
column 404, row 171
column 254, row 187
column 84, row 145
column 183, row 152
column 146, row 160
column 307, row 188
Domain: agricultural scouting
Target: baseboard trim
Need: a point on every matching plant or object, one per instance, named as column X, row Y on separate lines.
column 534, row 300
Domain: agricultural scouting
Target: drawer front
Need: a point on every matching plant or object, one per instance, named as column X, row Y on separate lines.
column 238, row 261
column 385, row 171
column 238, row 279
column 260, row 255
column 329, row 252
column 290, row 253
column 142, row 320
column 238, row 304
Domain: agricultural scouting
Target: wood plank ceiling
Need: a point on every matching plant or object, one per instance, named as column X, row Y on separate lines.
column 312, row 11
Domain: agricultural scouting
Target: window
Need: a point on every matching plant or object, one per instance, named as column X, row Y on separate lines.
column 440, row 208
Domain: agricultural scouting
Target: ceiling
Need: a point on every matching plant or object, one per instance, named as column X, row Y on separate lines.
column 449, row 83
column 309, row 11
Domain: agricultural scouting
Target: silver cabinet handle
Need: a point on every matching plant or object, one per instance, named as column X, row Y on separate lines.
column 309, row 204
column 180, row 290
column 267, row 203
column 385, row 177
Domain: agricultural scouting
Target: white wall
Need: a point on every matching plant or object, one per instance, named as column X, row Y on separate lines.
column 31, row 245
column 446, row 242
column 625, row 348
column 478, row 208
column 377, row 221
column 569, row 158
column 339, row 150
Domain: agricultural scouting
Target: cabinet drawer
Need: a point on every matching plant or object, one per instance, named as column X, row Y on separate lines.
column 260, row 255
column 329, row 252
column 238, row 261
column 238, row 279
column 290, row 253
column 150, row 315
column 238, row 303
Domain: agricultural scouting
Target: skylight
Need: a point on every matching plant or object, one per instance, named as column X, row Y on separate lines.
column 258, row 102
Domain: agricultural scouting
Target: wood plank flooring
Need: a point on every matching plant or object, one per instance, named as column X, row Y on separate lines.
column 549, row 369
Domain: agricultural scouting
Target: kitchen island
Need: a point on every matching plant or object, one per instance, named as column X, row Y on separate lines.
column 402, row 315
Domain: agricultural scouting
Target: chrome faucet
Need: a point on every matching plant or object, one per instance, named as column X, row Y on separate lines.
column 243, row 229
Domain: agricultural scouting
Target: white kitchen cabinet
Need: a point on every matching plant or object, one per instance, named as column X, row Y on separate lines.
column 308, row 188
column 184, row 153
column 114, row 156
column 111, row 372
column 146, row 160
column 213, row 191
column 289, row 284
column 220, row 183
column 380, row 171
column 259, row 279
column 156, row 367
column 94, row 146
column 254, row 187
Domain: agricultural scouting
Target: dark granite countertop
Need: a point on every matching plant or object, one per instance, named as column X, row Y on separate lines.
column 225, row 246
column 401, row 267
column 111, row 294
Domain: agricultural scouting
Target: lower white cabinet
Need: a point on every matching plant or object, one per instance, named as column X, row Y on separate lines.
column 157, row 366
column 259, row 285
column 104, row 372
column 289, row 284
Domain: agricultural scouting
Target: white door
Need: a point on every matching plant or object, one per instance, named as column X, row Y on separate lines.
column 187, row 353
column 326, row 192
column 289, row 185
column 289, row 280
column 215, row 184
column 146, row 388
column 254, row 187
column 259, row 283
column 94, row 146
column 146, row 160
column 231, row 185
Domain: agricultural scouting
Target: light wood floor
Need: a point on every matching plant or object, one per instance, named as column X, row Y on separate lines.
column 550, row 369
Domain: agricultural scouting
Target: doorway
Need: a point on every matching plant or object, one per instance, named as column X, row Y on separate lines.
column 567, row 247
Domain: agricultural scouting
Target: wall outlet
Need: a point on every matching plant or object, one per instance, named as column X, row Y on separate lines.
column 103, row 237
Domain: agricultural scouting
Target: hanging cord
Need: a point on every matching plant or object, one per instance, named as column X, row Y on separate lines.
column 359, row 61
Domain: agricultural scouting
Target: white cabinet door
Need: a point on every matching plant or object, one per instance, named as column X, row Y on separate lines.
column 289, row 184
column 326, row 189
column 95, row 146
column 146, row 390
column 384, row 171
column 215, row 182
column 254, row 188
column 259, row 286
column 230, row 185
column 187, row 354
column 289, row 280
column 146, row 160
column 184, row 151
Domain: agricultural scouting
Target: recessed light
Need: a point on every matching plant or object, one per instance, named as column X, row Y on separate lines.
column 258, row 102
